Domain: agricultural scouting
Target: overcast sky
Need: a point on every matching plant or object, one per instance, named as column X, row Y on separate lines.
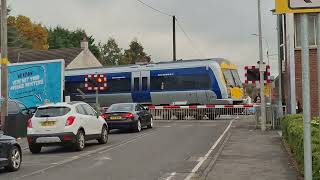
column 218, row 28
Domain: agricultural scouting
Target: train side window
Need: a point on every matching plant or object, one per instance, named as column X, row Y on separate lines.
column 136, row 84
column 181, row 82
column 144, row 83
column 119, row 85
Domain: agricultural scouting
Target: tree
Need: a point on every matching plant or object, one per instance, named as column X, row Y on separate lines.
column 134, row 54
column 110, row 52
column 16, row 40
column 63, row 38
column 33, row 32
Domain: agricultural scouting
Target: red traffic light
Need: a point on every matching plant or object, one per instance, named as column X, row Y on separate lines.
column 99, row 80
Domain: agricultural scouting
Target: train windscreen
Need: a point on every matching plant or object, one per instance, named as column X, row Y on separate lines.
column 232, row 77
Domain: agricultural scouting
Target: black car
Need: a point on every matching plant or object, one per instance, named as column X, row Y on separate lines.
column 128, row 116
column 10, row 153
column 16, row 121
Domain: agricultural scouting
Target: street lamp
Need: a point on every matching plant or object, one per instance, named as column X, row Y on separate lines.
column 268, row 47
column 263, row 104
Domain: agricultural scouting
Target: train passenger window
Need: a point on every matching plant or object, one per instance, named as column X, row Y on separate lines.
column 144, row 83
column 71, row 87
column 136, row 84
column 119, row 85
column 182, row 82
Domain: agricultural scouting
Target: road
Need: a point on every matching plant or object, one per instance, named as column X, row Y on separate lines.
column 169, row 151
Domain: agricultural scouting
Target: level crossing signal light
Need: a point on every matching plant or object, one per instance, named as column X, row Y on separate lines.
column 94, row 82
column 252, row 75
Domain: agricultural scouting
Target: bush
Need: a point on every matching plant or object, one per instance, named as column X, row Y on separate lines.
column 292, row 132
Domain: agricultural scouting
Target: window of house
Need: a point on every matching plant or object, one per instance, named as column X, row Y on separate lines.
column 312, row 30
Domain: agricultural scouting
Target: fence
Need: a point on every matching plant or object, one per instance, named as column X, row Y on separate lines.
column 215, row 112
column 209, row 112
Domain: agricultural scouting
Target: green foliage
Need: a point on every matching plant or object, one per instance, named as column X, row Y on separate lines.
column 110, row 52
column 292, row 131
column 16, row 40
column 59, row 37
column 134, row 54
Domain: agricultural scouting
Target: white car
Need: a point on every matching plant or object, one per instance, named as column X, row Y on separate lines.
column 65, row 124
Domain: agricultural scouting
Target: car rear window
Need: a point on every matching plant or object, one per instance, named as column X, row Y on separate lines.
column 52, row 111
column 121, row 108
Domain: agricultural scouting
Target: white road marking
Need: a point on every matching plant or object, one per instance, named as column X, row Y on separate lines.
column 171, row 176
column 202, row 159
column 127, row 142
column 68, row 160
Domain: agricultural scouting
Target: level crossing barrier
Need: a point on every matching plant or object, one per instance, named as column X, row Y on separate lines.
column 216, row 112
column 200, row 112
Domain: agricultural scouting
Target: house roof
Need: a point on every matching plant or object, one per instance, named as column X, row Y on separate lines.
column 16, row 55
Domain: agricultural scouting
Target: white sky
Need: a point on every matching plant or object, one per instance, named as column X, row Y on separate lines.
column 218, row 28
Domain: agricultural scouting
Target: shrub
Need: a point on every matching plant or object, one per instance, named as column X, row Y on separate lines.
column 292, row 131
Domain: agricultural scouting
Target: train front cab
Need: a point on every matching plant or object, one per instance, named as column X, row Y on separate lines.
column 233, row 82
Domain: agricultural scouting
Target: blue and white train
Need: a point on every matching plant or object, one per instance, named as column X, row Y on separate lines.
column 191, row 82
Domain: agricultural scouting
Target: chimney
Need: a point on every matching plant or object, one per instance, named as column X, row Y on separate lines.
column 84, row 44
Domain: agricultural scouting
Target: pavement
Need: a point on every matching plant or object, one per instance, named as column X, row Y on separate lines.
column 250, row 154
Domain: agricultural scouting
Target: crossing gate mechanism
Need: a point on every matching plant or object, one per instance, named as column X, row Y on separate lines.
column 95, row 82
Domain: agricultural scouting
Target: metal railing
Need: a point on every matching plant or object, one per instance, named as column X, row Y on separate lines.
column 201, row 112
column 207, row 112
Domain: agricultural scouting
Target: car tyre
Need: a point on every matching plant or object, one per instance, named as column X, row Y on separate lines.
column 151, row 123
column 104, row 135
column 15, row 159
column 80, row 141
column 138, row 126
column 35, row 148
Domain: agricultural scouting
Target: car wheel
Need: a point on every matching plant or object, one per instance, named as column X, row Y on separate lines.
column 14, row 158
column 138, row 126
column 151, row 123
column 80, row 141
column 104, row 136
column 34, row 148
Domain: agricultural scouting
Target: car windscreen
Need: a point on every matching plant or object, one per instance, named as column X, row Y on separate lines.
column 121, row 108
column 52, row 111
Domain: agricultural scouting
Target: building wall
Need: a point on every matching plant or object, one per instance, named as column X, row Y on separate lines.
column 313, row 79
column 84, row 60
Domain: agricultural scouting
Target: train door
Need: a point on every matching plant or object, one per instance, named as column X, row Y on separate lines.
column 141, row 87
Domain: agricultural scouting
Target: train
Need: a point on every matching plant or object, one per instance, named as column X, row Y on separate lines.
column 188, row 82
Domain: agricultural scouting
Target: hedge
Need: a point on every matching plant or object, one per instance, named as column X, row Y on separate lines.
column 292, row 132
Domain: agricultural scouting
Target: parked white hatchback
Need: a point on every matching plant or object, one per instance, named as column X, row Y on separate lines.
column 67, row 124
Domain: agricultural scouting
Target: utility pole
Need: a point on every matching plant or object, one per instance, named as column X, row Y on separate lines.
column 174, row 38
column 280, row 46
column 262, row 69
column 4, row 64
column 306, row 96
column 318, row 63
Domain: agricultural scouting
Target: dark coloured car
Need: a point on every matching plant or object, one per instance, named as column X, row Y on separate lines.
column 16, row 121
column 131, row 116
column 10, row 153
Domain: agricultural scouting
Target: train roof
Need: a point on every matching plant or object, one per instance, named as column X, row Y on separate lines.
column 220, row 61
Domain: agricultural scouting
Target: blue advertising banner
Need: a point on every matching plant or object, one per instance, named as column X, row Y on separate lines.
column 35, row 83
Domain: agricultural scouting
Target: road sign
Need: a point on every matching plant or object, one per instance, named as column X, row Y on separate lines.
column 297, row 6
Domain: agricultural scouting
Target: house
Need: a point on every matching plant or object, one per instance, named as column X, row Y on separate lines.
column 291, row 62
column 74, row 57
